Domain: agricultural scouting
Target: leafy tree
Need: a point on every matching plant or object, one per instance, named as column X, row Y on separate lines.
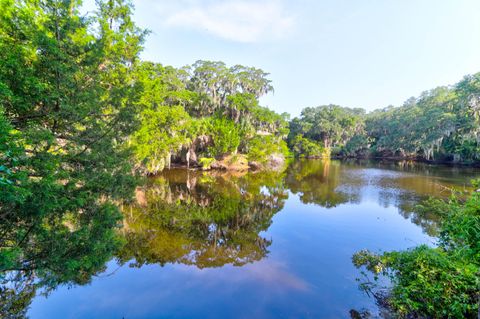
column 68, row 98
column 213, row 83
column 200, row 111
column 357, row 146
column 304, row 147
column 441, row 124
column 165, row 127
column 330, row 125
column 163, row 132
column 261, row 147
column 226, row 136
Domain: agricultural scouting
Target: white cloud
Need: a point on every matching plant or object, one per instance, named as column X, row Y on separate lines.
column 235, row 20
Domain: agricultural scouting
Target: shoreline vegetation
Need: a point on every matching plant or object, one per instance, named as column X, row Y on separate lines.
column 432, row 282
column 208, row 116
column 82, row 117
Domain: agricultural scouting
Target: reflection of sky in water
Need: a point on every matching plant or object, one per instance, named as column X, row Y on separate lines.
column 307, row 273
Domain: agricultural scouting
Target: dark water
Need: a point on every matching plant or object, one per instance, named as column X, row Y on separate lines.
column 263, row 245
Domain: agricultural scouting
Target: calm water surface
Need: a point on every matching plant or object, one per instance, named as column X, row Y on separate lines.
column 257, row 245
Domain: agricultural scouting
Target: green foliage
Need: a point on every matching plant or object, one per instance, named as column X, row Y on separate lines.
column 304, row 147
column 206, row 162
column 226, row 136
column 219, row 88
column 203, row 110
column 441, row 124
column 357, row 146
column 331, row 125
column 439, row 282
column 163, row 131
column 11, row 152
column 68, row 100
column 262, row 146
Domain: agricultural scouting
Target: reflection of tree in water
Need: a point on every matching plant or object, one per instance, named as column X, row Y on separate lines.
column 429, row 222
column 400, row 184
column 202, row 219
column 319, row 181
column 38, row 254
column 16, row 296
column 407, row 189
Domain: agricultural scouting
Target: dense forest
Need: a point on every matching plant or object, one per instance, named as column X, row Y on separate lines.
column 442, row 124
column 204, row 113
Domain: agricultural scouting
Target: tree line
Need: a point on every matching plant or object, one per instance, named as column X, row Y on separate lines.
column 442, row 124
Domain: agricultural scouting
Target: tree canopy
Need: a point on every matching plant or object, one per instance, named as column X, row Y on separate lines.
column 68, row 100
column 441, row 124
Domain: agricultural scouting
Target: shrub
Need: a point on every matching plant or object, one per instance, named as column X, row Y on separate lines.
column 226, row 136
column 206, row 162
column 304, row 147
column 439, row 282
column 261, row 147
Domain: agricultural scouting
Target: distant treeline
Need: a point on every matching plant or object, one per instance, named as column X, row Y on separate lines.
column 200, row 114
column 442, row 124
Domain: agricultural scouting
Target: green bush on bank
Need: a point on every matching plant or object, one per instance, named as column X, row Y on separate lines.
column 206, row 162
column 261, row 147
column 226, row 136
column 304, row 147
column 439, row 282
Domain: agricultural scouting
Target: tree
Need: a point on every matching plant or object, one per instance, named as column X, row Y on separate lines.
column 330, row 125
column 68, row 99
column 165, row 127
column 202, row 111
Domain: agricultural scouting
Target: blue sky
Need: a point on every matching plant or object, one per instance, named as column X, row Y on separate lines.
column 356, row 53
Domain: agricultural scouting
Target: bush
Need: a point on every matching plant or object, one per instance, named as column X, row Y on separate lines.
column 440, row 282
column 206, row 162
column 261, row 147
column 304, row 147
column 226, row 137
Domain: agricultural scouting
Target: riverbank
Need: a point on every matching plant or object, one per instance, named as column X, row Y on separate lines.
column 239, row 163
column 410, row 159
column 236, row 162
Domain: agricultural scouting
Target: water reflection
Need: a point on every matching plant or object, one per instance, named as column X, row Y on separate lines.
column 207, row 220
column 211, row 221
column 401, row 184
column 318, row 182
column 39, row 254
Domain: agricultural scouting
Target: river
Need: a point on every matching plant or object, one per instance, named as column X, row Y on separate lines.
column 258, row 245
